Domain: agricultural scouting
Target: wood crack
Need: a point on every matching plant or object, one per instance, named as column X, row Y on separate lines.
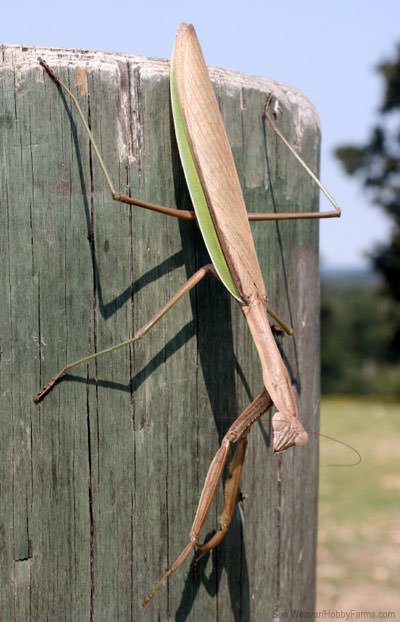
column 89, row 432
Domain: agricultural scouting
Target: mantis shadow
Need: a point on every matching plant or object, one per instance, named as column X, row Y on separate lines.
column 172, row 346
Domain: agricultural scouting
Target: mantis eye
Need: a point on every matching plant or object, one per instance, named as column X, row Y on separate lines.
column 301, row 439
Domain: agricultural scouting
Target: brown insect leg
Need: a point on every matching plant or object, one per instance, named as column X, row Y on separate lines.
column 168, row 211
column 230, row 496
column 190, row 283
column 208, row 493
column 184, row 214
column 236, row 434
column 255, row 216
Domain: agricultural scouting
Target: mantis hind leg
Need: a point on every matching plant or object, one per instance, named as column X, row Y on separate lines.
column 122, row 198
column 335, row 213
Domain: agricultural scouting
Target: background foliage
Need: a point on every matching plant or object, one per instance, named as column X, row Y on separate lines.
column 361, row 316
column 357, row 326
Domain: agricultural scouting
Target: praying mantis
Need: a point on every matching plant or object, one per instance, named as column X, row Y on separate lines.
column 220, row 213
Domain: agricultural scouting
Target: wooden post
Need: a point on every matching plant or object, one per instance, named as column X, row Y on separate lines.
column 99, row 483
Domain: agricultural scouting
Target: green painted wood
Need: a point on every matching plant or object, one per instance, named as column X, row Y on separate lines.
column 99, row 483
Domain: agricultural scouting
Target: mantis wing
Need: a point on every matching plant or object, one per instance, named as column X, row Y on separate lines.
column 210, row 169
column 221, row 212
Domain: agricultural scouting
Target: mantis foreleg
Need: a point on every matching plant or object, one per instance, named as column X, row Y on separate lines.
column 230, row 497
column 237, row 433
column 286, row 431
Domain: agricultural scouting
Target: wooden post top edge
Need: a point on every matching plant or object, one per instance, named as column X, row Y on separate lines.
column 24, row 56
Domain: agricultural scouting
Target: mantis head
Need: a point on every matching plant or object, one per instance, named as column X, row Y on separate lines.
column 288, row 431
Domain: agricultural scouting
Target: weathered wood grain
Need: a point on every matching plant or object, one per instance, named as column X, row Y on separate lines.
column 99, row 483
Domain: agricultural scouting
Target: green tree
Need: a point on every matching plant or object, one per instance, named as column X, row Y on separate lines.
column 355, row 334
column 377, row 164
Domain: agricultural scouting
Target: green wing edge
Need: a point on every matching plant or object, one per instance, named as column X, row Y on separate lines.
column 197, row 195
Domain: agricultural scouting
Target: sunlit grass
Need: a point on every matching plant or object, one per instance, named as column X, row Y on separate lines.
column 359, row 511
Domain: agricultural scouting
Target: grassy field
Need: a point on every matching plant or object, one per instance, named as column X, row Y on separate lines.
column 359, row 511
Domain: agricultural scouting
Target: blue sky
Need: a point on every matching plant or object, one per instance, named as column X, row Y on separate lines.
column 328, row 50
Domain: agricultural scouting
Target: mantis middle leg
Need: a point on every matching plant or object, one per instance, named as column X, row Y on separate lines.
column 190, row 283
